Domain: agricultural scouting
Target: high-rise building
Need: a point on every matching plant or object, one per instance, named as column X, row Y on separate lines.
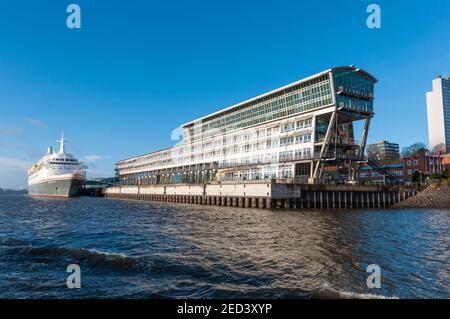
column 383, row 151
column 438, row 110
column 295, row 131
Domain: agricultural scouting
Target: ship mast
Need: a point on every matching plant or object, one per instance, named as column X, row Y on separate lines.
column 62, row 149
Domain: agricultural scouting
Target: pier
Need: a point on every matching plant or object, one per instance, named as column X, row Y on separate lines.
column 267, row 195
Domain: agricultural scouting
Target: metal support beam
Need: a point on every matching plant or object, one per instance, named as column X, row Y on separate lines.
column 362, row 146
column 325, row 145
column 335, row 141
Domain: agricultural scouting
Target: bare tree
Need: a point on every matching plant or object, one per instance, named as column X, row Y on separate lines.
column 415, row 149
column 439, row 149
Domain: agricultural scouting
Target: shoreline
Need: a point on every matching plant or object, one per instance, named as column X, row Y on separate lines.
column 433, row 196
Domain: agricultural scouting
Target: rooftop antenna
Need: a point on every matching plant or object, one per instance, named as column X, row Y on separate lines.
column 62, row 149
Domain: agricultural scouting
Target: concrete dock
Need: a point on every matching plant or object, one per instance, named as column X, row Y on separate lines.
column 267, row 195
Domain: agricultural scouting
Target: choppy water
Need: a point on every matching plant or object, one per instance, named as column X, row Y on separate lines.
column 153, row 250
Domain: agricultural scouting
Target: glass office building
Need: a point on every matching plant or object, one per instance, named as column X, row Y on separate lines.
column 291, row 132
column 383, row 151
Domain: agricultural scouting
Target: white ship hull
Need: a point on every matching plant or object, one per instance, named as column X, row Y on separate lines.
column 67, row 185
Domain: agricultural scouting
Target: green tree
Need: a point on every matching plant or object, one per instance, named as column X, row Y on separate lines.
column 435, row 176
column 416, row 177
column 446, row 173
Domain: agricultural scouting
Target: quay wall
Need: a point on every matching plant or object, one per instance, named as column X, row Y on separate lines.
column 239, row 189
column 151, row 190
column 267, row 195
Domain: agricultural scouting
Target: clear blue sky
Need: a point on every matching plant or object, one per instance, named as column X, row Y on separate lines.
column 138, row 69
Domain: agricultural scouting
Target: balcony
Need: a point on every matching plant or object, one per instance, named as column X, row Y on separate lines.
column 354, row 93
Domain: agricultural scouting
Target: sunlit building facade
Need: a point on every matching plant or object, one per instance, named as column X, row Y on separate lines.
column 438, row 112
column 383, row 151
column 288, row 133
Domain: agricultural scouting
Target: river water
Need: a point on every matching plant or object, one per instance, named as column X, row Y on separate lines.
column 137, row 249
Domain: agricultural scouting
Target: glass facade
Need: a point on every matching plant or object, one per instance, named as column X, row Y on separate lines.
column 353, row 91
column 297, row 99
column 446, row 103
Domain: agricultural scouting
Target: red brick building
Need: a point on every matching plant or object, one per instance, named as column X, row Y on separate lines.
column 445, row 161
column 426, row 164
column 368, row 174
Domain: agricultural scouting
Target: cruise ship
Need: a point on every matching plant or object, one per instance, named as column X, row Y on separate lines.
column 56, row 174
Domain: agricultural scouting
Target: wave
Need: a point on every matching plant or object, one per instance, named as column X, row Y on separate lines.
column 112, row 260
column 11, row 242
column 82, row 255
column 327, row 292
column 78, row 255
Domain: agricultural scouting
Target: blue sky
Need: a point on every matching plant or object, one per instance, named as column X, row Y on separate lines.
column 138, row 69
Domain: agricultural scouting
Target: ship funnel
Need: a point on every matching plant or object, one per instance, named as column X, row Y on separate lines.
column 50, row 150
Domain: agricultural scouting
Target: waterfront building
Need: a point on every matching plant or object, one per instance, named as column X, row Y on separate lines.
column 445, row 158
column 422, row 163
column 369, row 175
column 291, row 132
column 383, row 151
column 438, row 111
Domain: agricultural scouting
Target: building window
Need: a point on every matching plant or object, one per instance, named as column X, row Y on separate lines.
column 307, row 152
column 304, row 124
column 303, row 139
column 285, row 156
column 287, row 127
column 286, row 141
